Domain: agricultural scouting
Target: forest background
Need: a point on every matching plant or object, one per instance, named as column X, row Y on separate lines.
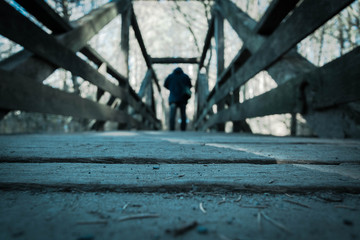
column 177, row 29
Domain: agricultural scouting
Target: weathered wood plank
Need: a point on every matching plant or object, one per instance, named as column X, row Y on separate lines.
column 335, row 83
column 36, row 97
column 305, row 19
column 140, row 178
column 170, row 60
column 277, row 101
column 190, row 147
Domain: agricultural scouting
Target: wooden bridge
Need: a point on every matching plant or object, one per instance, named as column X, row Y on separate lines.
column 185, row 185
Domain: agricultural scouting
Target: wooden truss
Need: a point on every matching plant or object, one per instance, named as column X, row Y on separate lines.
column 268, row 45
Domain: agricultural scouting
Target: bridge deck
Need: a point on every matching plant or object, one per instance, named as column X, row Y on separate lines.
column 93, row 185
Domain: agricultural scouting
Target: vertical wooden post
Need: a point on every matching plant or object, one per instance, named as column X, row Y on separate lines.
column 124, row 56
column 293, row 124
column 219, row 41
column 100, row 92
column 235, row 99
column 145, row 82
column 124, row 44
column 150, row 97
column 202, row 91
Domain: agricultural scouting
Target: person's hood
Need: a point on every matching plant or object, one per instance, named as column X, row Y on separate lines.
column 178, row 71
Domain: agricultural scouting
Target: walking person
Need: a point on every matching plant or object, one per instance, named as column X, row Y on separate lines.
column 179, row 85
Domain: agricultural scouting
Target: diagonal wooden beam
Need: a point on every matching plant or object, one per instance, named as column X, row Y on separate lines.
column 207, row 42
column 242, row 24
column 140, row 40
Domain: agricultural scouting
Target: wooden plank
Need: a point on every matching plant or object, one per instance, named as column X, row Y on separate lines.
column 336, row 82
column 277, row 101
column 36, row 97
column 305, row 19
column 171, row 60
column 333, row 84
column 252, row 178
column 190, row 147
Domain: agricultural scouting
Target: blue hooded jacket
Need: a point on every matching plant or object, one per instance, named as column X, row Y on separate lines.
column 177, row 82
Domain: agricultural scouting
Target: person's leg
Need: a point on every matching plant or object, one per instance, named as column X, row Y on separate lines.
column 183, row 116
column 172, row 116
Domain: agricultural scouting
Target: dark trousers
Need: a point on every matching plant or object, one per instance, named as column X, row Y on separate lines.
column 173, row 108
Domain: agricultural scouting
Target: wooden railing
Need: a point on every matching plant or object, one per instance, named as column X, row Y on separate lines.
column 22, row 74
column 268, row 45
